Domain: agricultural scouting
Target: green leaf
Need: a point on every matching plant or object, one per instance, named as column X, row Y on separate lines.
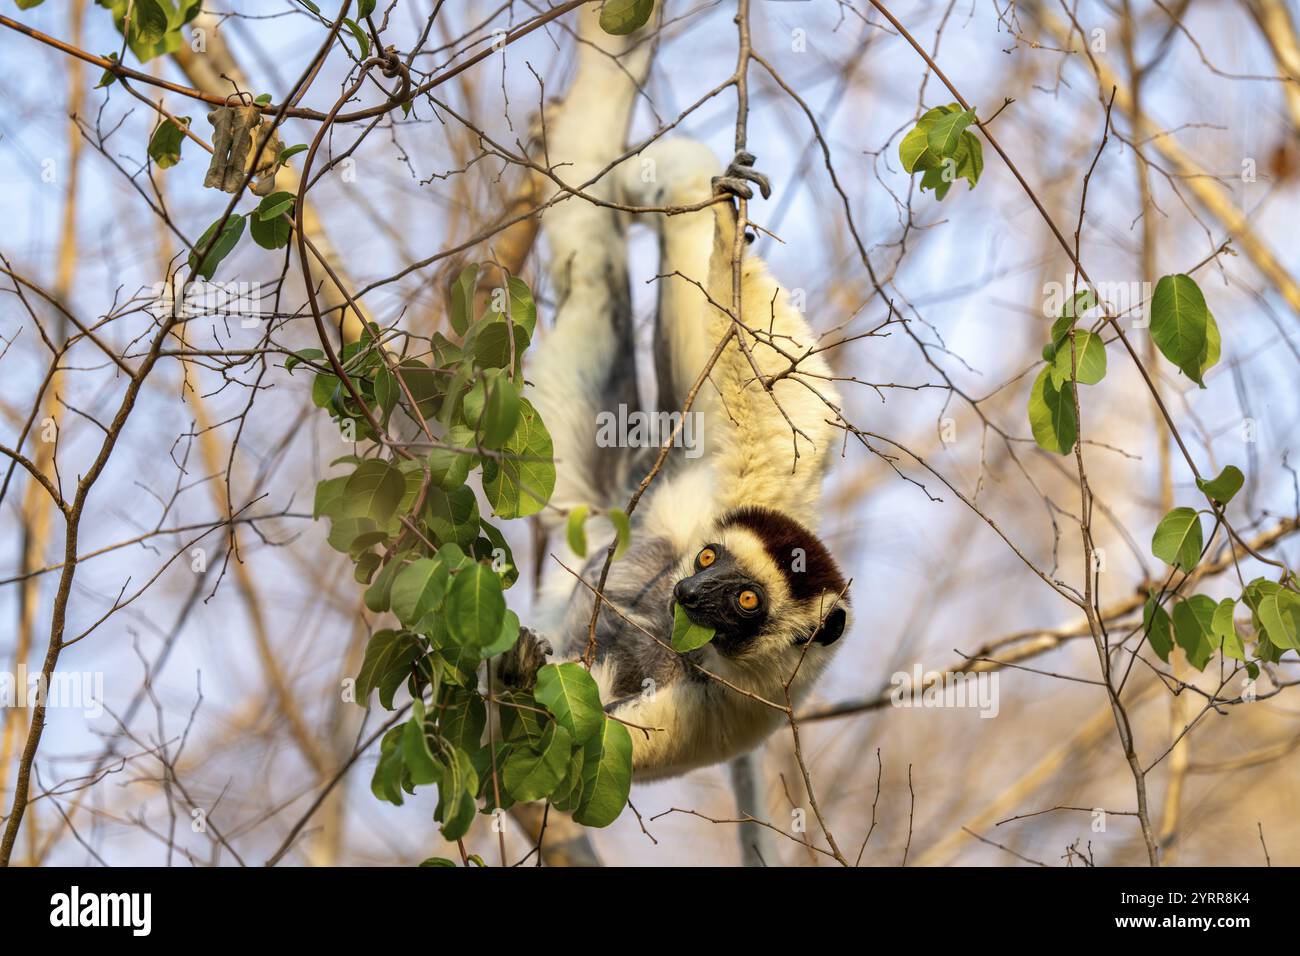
column 575, row 531
column 521, row 484
column 914, row 150
column 939, row 178
column 1225, row 486
column 276, row 205
column 508, row 637
column 1156, row 627
column 415, row 749
column 621, row 17
column 349, row 533
column 155, row 24
column 1213, row 346
column 606, row 776
column 269, row 227
column 1075, row 307
column 323, row 387
column 108, row 77
column 492, row 346
column 329, row 495
column 568, row 794
column 623, row 528
column 944, row 133
column 373, row 491
column 523, row 310
column 462, row 298
column 1051, row 415
column 1224, row 630
column 359, row 35
column 289, row 152
column 302, row 355
column 418, row 591
column 386, row 390
column 365, row 8
column 687, row 635
column 462, row 718
column 532, row 774
column 497, row 541
column 149, row 21
column 1089, row 356
column 437, row 861
column 1180, row 324
column 386, row 782
column 570, row 693
column 1279, row 612
column 475, row 607
column 970, row 158
column 387, row 663
column 1177, row 539
column 230, row 231
column 457, row 790
column 1194, row 628
column 453, row 515
column 448, row 469
column 366, row 567
column 500, row 412
column 165, row 143
column 520, row 723
column 378, row 595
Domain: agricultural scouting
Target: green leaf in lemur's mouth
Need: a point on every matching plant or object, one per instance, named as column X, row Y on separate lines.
column 687, row 635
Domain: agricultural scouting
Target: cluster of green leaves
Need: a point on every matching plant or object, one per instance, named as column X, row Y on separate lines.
column 1202, row 626
column 364, row 9
column 942, row 147
column 427, row 554
column 1181, row 326
column 270, row 225
column 154, row 27
column 1069, row 351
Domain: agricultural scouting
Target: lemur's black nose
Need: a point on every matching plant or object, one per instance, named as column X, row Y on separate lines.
column 687, row 592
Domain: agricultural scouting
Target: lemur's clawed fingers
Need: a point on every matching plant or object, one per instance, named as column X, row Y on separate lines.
column 739, row 174
column 520, row 664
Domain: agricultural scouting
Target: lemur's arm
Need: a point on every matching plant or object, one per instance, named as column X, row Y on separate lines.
column 780, row 400
column 587, row 361
column 759, row 409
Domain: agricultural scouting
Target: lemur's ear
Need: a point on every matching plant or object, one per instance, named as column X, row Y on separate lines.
column 832, row 628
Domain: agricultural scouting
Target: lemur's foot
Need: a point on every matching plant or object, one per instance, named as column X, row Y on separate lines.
column 735, row 181
column 520, row 664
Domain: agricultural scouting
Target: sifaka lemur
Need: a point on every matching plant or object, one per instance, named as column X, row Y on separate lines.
column 727, row 534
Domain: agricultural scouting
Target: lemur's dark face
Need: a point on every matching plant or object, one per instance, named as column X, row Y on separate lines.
column 724, row 595
column 764, row 584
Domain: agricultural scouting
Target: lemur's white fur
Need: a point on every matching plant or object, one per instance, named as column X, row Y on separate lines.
column 588, row 253
column 749, row 454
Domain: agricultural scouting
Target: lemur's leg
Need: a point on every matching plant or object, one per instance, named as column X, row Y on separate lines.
column 586, row 363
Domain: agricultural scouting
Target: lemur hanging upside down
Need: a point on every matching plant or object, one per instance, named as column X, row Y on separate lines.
column 726, row 534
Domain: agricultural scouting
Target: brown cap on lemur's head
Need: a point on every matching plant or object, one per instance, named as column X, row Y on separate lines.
column 765, row 579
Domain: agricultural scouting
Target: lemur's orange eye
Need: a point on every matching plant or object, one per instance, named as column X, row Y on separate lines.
column 706, row 557
column 748, row 599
